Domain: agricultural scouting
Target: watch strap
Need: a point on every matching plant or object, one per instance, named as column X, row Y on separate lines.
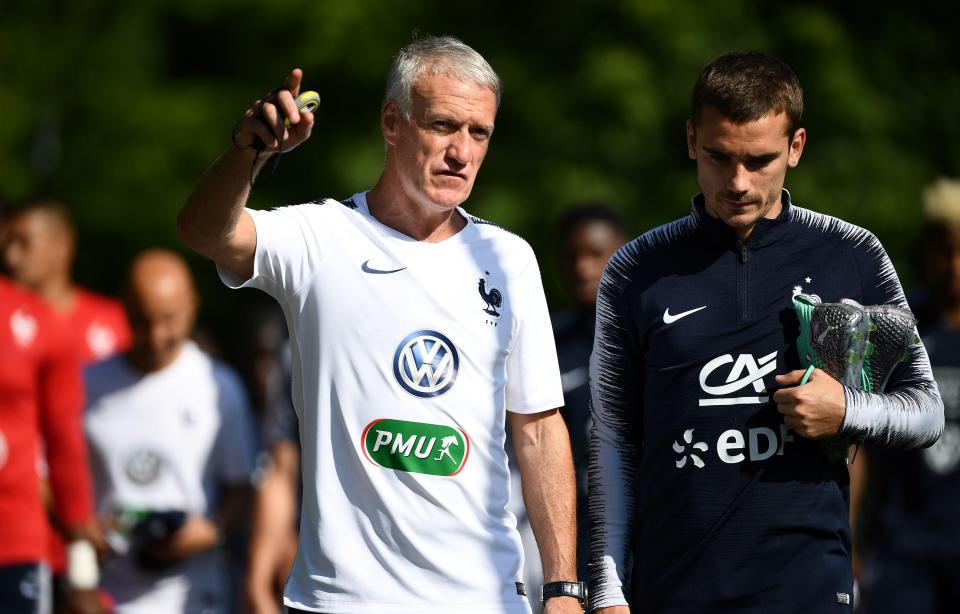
column 577, row 590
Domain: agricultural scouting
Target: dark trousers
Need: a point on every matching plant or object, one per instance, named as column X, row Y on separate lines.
column 25, row 589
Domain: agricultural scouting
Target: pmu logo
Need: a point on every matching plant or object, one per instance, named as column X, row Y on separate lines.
column 744, row 371
column 426, row 363
column 415, row 447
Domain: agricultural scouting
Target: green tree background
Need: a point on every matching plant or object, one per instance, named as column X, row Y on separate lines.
column 118, row 107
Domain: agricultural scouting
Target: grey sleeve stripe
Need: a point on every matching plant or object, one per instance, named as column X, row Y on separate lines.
column 908, row 415
column 614, row 453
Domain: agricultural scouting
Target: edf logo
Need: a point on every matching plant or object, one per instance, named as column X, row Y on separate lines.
column 734, row 446
column 745, row 371
column 426, row 363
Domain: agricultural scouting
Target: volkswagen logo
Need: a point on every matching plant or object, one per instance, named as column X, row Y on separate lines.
column 143, row 466
column 426, row 363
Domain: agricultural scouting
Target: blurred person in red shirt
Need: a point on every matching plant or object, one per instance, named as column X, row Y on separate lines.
column 38, row 250
column 41, row 396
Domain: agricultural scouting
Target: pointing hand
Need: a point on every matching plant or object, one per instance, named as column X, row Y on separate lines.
column 264, row 121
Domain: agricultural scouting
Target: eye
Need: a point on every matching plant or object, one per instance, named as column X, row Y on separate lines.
column 756, row 164
column 480, row 134
column 718, row 157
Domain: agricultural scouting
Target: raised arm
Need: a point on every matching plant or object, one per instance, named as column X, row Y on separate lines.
column 213, row 222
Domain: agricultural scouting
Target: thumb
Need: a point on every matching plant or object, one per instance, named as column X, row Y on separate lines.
column 792, row 378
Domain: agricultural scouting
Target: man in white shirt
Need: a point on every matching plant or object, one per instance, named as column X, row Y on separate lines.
column 416, row 330
column 171, row 446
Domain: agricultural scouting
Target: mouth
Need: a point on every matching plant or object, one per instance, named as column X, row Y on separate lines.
column 739, row 204
column 453, row 175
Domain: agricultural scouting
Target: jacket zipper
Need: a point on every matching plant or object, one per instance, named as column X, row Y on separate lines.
column 743, row 283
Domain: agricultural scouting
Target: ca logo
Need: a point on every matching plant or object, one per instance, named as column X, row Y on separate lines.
column 426, row 363
column 746, row 371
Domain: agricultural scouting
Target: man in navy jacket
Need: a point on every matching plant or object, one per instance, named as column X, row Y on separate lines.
column 709, row 489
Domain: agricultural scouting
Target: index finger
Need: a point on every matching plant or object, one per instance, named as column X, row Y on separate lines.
column 293, row 81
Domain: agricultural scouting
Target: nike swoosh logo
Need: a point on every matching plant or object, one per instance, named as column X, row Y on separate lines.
column 670, row 319
column 365, row 267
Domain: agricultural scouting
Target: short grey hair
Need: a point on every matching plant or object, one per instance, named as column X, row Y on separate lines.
column 441, row 55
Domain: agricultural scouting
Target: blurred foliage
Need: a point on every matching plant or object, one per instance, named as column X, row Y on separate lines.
column 119, row 107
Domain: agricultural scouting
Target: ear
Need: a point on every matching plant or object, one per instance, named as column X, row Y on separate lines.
column 390, row 118
column 796, row 147
column 691, row 140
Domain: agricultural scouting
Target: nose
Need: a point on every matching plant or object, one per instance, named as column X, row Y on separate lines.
column 740, row 179
column 583, row 266
column 158, row 336
column 460, row 146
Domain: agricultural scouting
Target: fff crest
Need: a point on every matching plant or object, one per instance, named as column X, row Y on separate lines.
column 426, row 363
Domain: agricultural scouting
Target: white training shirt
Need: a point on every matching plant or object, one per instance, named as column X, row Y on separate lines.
column 167, row 440
column 406, row 355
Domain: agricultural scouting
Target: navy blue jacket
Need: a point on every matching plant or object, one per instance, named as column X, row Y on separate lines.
column 701, row 500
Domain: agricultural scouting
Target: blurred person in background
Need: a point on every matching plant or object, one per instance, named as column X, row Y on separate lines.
column 171, row 447
column 38, row 250
column 589, row 236
column 275, row 530
column 396, row 519
column 589, row 233
column 262, row 358
column 41, row 400
column 913, row 505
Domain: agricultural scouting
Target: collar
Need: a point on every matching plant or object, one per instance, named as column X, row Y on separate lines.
column 766, row 232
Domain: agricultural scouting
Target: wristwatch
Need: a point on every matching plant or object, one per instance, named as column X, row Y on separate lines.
column 577, row 590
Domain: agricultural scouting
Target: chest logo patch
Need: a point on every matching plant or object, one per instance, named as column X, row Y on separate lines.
column 493, row 298
column 415, row 447
column 426, row 364
column 143, row 466
column 670, row 318
column 681, row 450
column 101, row 340
column 745, row 371
column 24, row 327
column 366, row 268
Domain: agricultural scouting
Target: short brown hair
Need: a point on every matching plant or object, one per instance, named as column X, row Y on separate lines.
column 745, row 86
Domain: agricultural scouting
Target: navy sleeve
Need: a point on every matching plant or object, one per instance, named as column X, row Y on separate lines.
column 909, row 412
column 616, row 372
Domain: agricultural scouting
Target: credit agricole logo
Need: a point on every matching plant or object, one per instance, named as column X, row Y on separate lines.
column 415, row 447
